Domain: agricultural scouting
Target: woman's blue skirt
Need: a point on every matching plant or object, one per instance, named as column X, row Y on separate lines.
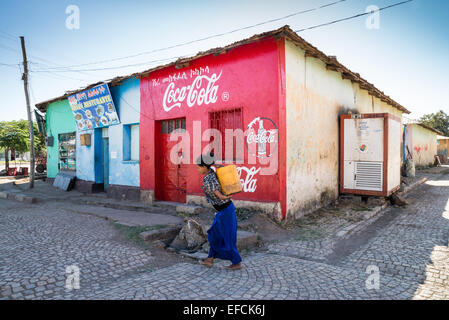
column 222, row 236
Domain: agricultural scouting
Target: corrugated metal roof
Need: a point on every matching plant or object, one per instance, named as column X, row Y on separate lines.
column 283, row 32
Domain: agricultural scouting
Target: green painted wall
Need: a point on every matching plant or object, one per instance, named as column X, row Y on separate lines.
column 59, row 120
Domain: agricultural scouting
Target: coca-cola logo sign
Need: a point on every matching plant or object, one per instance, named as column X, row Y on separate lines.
column 261, row 137
column 249, row 183
column 202, row 90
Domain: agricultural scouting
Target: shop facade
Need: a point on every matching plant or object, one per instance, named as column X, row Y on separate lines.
column 61, row 139
column 97, row 145
column 269, row 104
column 229, row 91
column 282, row 92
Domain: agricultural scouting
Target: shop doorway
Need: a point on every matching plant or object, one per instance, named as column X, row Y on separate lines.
column 67, row 152
column 170, row 177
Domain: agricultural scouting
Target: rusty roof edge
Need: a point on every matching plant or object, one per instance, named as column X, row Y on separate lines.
column 284, row 31
column 42, row 106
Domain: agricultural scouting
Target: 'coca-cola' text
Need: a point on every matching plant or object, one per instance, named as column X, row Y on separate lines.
column 195, row 94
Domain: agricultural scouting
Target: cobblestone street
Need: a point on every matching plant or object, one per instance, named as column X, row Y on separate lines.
column 409, row 246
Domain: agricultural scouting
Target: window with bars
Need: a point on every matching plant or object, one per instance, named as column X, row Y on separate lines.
column 227, row 119
column 167, row 126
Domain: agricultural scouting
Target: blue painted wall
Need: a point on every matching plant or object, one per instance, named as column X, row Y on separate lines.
column 90, row 158
column 127, row 100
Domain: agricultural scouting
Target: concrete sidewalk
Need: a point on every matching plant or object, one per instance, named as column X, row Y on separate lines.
column 124, row 212
column 127, row 217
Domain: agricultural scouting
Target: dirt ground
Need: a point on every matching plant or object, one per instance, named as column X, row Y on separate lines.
column 315, row 225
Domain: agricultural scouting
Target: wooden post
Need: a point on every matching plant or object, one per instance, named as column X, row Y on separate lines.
column 30, row 120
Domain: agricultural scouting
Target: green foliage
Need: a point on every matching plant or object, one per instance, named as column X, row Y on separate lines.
column 39, row 141
column 14, row 136
column 438, row 120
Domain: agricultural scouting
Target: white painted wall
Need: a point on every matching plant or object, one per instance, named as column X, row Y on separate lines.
column 315, row 99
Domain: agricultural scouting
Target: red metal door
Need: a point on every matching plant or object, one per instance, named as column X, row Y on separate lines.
column 171, row 184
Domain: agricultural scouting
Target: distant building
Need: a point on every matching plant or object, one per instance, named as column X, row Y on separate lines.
column 421, row 142
column 442, row 148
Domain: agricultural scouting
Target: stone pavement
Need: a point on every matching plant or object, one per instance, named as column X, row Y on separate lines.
column 409, row 246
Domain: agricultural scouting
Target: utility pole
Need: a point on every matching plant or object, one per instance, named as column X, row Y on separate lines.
column 30, row 120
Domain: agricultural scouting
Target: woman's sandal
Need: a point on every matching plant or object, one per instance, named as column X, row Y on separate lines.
column 206, row 263
column 234, row 267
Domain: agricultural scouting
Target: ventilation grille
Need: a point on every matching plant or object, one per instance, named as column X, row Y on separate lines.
column 368, row 176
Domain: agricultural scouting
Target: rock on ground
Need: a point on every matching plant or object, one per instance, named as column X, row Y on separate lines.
column 191, row 236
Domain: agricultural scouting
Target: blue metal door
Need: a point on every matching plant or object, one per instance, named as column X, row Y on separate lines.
column 106, row 162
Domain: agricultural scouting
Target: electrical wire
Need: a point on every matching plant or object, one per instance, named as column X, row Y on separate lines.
column 58, row 76
column 8, row 48
column 14, row 65
column 208, row 37
column 44, row 61
column 166, row 48
column 351, row 17
column 8, row 35
column 111, row 68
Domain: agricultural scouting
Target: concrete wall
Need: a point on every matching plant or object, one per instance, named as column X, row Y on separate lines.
column 424, row 145
column 59, row 119
column 315, row 99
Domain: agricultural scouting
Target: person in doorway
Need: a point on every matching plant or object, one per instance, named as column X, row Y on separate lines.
column 222, row 234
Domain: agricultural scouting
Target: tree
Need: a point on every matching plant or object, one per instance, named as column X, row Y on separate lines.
column 39, row 141
column 438, row 120
column 14, row 135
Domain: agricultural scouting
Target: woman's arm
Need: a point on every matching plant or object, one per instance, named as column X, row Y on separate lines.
column 221, row 196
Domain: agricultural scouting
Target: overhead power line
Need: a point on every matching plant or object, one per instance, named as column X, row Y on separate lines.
column 8, row 35
column 67, row 69
column 206, row 38
column 8, row 48
column 14, row 65
column 43, row 60
column 56, row 75
column 109, row 68
column 351, row 17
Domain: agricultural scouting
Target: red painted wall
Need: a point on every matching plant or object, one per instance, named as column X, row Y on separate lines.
column 251, row 77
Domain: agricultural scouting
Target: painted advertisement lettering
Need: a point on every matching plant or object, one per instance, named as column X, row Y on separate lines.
column 261, row 132
column 203, row 90
column 249, row 184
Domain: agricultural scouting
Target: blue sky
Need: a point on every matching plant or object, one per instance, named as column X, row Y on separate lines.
column 407, row 57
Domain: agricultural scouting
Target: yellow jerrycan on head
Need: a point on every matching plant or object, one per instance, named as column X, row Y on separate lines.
column 229, row 179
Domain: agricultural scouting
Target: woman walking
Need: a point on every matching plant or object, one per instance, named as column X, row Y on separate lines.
column 222, row 234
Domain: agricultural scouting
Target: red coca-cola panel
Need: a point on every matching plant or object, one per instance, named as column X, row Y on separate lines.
column 244, row 87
